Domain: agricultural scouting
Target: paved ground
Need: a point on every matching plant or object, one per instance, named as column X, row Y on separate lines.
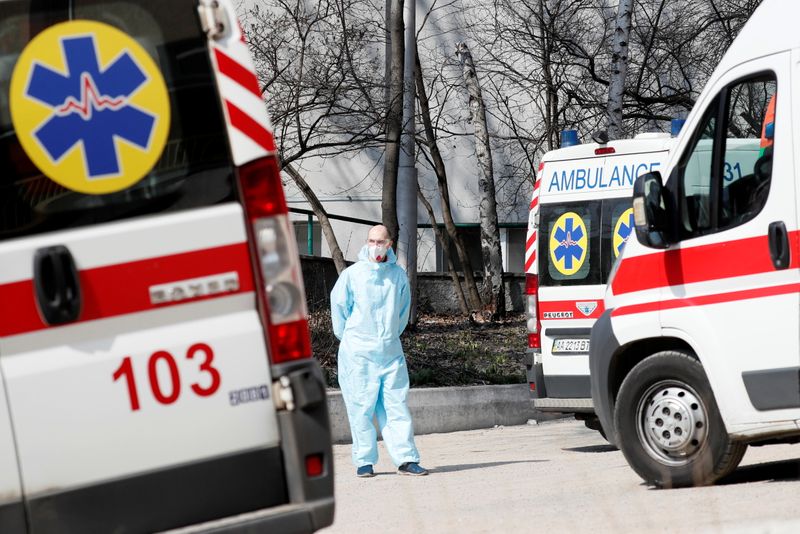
column 558, row 477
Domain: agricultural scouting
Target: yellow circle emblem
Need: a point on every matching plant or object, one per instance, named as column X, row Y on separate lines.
column 568, row 244
column 89, row 106
column 622, row 231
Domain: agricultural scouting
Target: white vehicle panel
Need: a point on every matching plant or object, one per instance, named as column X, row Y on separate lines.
column 10, row 490
column 67, row 397
column 130, row 240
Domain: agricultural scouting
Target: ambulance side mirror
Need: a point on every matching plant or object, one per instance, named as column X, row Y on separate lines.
column 649, row 213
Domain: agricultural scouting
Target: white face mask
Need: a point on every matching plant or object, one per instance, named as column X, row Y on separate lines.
column 377, row 253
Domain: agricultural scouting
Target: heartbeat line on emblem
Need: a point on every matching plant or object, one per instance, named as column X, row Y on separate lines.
column 89, row 100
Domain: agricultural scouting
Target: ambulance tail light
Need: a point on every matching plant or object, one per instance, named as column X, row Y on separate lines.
column 532, row 311
column 603, row 150
column 279, row 279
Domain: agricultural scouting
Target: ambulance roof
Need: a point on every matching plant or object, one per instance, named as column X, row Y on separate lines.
column 645, row 142
column 772, row 28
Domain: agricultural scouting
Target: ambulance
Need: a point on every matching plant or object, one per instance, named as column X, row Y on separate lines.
column 580, row 219
column 155, row 360
column 697, row 354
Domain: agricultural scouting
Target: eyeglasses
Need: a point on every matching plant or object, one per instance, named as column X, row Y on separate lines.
column 379, row 242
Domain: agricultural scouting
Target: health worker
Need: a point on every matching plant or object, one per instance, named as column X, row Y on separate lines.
column 369, row 309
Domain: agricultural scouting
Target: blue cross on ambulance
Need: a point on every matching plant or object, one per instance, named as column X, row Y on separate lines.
column 580, row 220
column 155, row 359
column 697, row 354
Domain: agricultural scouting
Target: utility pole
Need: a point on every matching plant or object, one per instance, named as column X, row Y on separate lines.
column 407, row 172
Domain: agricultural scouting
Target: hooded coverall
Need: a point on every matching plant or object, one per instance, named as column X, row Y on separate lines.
column 369, row 309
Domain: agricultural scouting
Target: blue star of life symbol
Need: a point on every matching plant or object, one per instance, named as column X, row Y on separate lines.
column 568, row 247
column 625, row 232
column 91, row 106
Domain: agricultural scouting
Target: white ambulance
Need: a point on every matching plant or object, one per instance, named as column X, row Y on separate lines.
column 155, row 361
column 698, row 352
column 580, row 219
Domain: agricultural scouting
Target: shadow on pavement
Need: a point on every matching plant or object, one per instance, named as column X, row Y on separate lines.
column 607, row 447
column 467, row 467
column 781, row 471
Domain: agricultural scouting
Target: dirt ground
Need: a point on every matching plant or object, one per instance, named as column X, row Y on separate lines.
column 444, row 350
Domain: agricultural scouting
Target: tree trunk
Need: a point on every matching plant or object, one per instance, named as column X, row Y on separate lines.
column 445, row 242
column 619, row 69
column 394, row 120
column 444, row 194
column 322, row 216
column 490, row 230
column 551, row 96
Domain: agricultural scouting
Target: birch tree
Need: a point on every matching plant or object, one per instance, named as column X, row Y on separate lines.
column 494, row 290
column 437, row 162
column 619, row 69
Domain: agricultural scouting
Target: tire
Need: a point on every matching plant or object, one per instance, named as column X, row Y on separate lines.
column 669, row 426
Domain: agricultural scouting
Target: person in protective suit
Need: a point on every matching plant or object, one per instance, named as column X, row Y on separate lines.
column 369, row 309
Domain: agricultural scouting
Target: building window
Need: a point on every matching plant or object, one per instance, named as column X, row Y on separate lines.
column 301, row 233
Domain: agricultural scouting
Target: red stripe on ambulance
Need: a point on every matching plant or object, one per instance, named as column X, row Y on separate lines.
column 237, row 72
column 705, row 263
column 114, row 290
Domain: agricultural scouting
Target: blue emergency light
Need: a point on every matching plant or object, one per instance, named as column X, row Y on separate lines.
column 569, row 138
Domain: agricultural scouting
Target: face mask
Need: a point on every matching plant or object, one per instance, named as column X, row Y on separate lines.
column 377, row 252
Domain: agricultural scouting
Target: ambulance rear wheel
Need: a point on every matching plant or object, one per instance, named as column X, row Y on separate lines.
column 669, row 426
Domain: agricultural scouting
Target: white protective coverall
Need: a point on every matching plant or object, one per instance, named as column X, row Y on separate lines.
column 369, row 309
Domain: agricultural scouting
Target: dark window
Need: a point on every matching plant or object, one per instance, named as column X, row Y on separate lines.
column 617, row 229
column 471, row 237
column 194, row 169
column 609, row 225
column 723, row 181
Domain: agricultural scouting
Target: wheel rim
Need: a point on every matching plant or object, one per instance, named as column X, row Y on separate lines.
column 671, row 422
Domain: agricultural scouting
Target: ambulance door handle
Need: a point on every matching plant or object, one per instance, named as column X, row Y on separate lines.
column 57, row 286
column 779, row 245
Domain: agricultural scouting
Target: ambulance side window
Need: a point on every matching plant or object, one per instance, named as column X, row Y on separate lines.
column 723, row 181
column 747, row 169
column 694, row 185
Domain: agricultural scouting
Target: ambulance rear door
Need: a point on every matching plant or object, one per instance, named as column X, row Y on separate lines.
column 134, row 357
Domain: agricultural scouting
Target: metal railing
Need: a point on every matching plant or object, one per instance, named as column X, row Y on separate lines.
column 310, row 229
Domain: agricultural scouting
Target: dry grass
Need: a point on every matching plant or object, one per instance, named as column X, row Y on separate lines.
column 444, row 350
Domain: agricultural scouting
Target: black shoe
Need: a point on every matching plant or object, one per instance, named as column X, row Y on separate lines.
column 365, row 471
column 412, row 468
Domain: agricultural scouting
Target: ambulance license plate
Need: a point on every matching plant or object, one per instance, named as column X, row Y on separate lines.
column 570, row 345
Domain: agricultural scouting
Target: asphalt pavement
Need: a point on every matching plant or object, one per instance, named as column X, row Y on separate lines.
column 556, row 477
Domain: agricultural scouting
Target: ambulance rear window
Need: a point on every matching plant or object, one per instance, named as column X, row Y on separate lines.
column 74, row 149
column 569, row 245
column 581, row 240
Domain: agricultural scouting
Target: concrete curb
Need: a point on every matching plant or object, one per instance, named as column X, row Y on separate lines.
column 450, row 409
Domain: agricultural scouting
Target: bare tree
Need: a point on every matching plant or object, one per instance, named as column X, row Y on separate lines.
column 444, row 195
column 317, row 66
column 490, row 231
column 322, row 216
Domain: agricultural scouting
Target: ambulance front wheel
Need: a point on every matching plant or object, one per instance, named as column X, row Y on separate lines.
column 669, row 426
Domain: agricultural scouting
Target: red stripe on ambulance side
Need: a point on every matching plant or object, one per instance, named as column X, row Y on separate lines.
column 237, row 72
column 114, row 290
column 556, row 306
column 704, row 263
column 249, row 127
column 705, row 300
column 530, row 260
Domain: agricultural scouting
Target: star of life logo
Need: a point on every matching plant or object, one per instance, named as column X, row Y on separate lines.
column 586, row 308
column 91, row 106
